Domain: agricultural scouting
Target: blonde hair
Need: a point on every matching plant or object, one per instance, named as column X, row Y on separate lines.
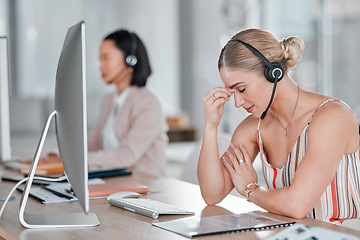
column 286, row 52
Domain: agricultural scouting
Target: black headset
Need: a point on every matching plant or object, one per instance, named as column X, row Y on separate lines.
column 274, row 71
column 131, row 59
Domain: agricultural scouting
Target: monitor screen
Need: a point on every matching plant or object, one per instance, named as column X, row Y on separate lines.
column 71, row 133
column 5, row 149
column 70, row 107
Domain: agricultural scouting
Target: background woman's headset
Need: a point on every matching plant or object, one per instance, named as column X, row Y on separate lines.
column 131, row 59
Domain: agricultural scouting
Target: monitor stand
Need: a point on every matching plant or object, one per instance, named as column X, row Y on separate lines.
column 57, row 220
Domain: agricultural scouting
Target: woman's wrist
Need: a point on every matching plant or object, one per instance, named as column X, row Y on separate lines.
column 210, row 128
column 250, row 188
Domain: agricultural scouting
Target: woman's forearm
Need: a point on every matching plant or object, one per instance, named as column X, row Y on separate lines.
column 211, row 173
column 283, row 201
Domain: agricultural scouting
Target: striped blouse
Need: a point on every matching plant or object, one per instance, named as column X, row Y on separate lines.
column 340, row 200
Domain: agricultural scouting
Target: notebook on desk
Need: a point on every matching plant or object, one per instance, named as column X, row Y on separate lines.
column 109, row 173
column 101, row 190
column 202, row 226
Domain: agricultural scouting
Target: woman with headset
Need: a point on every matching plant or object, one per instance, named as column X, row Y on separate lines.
column 131, row 130
column 308, row 143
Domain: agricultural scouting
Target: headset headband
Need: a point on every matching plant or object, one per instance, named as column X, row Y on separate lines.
column 254, row 50
column 271, row 71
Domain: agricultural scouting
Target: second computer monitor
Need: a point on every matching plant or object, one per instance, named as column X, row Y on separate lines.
column 5, row 149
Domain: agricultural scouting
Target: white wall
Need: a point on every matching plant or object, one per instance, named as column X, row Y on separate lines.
column 42, row 25
column 4, row 17
column 200, row 42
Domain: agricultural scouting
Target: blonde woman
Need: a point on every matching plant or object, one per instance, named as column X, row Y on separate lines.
column 308, row 142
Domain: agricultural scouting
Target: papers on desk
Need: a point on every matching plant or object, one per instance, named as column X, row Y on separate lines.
column 201, row 226
column 57, row 192
column 45, row 196
column 303, row 232
column 98, row 188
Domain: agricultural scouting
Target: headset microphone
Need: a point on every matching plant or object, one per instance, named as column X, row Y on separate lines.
column 271, row 99
column 274, row 71
column 112, row 80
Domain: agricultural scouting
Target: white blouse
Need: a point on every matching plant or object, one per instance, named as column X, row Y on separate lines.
column 109, row 139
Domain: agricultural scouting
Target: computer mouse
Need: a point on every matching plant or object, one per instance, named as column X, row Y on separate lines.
column 123, row 195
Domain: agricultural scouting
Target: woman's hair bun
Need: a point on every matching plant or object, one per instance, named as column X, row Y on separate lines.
column 292, row 50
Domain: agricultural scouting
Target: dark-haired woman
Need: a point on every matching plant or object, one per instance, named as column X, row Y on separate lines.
column 131, row 130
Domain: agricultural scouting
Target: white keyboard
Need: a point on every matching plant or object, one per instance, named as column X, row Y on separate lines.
column 147, row 207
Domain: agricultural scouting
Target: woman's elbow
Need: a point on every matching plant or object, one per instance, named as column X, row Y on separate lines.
column 210, row 199
column 298, row 211
column 298, row 215
column 210, row 202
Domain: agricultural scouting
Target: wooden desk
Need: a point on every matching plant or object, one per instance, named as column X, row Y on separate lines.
column 117, row 223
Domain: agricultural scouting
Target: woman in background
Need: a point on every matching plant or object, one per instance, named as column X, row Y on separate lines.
column 308, row 142
column 131, row 130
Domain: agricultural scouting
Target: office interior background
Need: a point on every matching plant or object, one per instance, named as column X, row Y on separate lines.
column 184, row 39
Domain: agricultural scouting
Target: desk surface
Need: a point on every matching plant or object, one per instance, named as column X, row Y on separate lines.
column 117, row 223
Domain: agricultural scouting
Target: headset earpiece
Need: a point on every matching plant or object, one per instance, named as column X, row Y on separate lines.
column 276, row 71
column 131, row 59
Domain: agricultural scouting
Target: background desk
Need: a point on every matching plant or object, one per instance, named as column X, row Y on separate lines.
column 117, row 223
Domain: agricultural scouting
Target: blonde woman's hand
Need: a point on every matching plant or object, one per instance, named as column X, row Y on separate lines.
column 214, row 105
column 239, row 165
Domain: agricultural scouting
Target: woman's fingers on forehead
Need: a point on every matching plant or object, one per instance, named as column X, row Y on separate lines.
column 224, row 90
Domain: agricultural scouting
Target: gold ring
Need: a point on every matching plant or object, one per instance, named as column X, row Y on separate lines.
column 241, row 160
column 213, row 97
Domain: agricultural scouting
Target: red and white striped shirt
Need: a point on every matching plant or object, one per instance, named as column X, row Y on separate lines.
column 340, row 200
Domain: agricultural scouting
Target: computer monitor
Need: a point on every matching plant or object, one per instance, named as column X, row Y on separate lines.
column 71, row 133
column 5, row 149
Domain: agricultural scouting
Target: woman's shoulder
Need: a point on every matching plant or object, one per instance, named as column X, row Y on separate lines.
column 334, row 125
column 334, row 116
column 144, row 96
column 318, row 106
column 247, row 127
column 245, row 133
column 144, row 92
column 336, row 109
